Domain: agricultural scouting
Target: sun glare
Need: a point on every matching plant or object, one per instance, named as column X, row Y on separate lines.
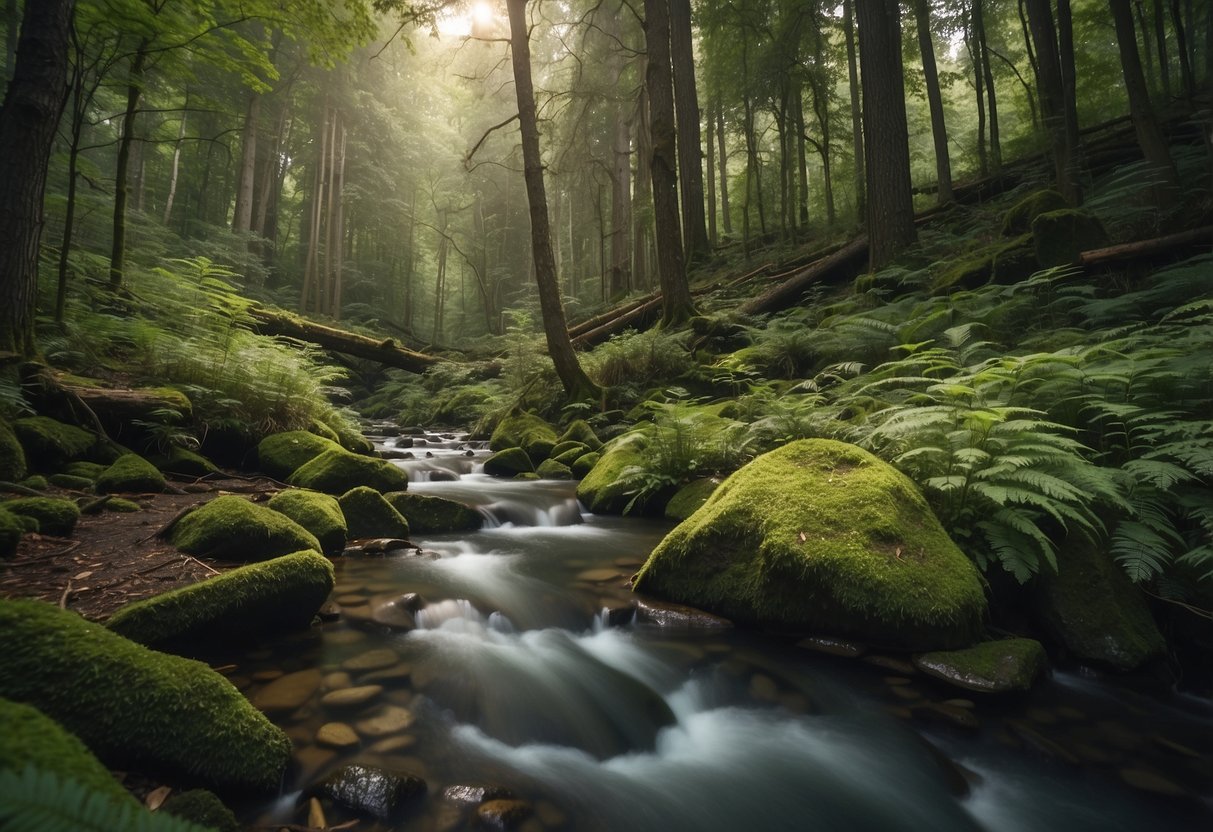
column 478, row 19
column 482, row 14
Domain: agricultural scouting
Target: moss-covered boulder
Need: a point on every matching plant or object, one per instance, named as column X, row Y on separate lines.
column 585, row 464
column 280, row 454
column 1060, row 236
column 688, row 499
column 183, row 461
column 130, row 474
column 580, row 431
column 550, row 469
column 319, row 513
column 12, row 455
column 49, row 445
column 1004, row 666
column 29, row 737
column 133, row 706
column 351, row 439
column 71, row 483
column 89, row 470
column 11, row 529
column 321, row 429
column 275, row 595
column 822, row 535
column 232, row 528
column 1018, row 219
column 54, row 515
column 203, row 808
column 1004, row 261
column 427, row 514
column 1093, row 610
column 604, row 489
column 336, row 471
column 368, row 514
column 572, row 451
column 508, row 463
column 37, row 482
column 526, row 431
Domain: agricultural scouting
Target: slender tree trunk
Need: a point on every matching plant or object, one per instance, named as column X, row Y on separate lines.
column 1146, row 42
column 1069, row 89
column 32, row 105
column 440, row 281
column 690, row 152
column 242, row 217
column 979, row 85
column 802, row 164
column 1052, row 98
column 175, row 166
column 890, row 203
column 618, row 275
column 710, row 144
column 577, row 384
column 1027, row 42
column 134, row 89
column 338, row 223
column 856, row 113
column 642, row 195
column 81, row 99
column 410, row 259
column 311, row 266
column 979, row 25
column 1181, row 47
column 943, row 163
column 726, row 219
column 1160, row 35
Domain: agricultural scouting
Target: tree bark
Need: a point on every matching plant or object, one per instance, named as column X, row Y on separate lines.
column 242, row 216
column 175, row 165
column 28, row 118
column 642, row 195
column 577, row 385
column 856, row 113
column 619, row 273
column 1160, row 34
column 887, row 152
column 979, row 25
column 12, row 20
column 134, row 89
column 1069, row 91
column 387, row 352
column 690, row 152
column 710, row 144
column 671, row 268
column 844, row 263
column 1052, row 98
column 1181, row 47
column 939, row 132
column 726, row 220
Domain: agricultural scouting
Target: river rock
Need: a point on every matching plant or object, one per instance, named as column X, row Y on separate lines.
column 473, row 795
column 380, row 793
column 371, row 660
column 389, row 720
column 351, row 697
column 991, row 667
column 397, row 743
column 678, row 616
column 526, row 431
column 286, row 693
column 232, row 528
column 336, row 680
column 368, row 514
column 503, row 814
column 336, row 735
column 280, row 454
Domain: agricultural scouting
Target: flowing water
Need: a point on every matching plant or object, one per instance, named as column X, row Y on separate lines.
column 505, row 671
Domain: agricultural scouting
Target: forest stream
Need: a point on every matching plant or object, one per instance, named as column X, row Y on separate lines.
column 515, row 676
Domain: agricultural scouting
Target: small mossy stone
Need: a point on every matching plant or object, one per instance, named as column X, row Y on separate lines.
column 368, row 514
column 1004, row 666
column 183, row 461
column 823, row 536
column 580, row 431
column 130, row 474
column 321, row 429
column 122, row 505
column 11, row 529
column 319, row 513
column 203, row 808
column 91, row 470
column 280, row 454
column 1060, row 236
column 336, row 471
column 352, row 440
column 550, row 469
column 29, row 737
column 1092, row 608
column 526, row 431
column 567, row 446
column 71, row 483
column 12, row 455
column 36, row 482
column 1018, row 219
column 688, row 499
column 508, row 463
column 232, row 528
column 135, row 707
column 604, row 489
column 28, row 524
column 55, row 516
column 267, row 597
column 571, row 455
column 584, row 464
column 428, row 514
column 49, row 444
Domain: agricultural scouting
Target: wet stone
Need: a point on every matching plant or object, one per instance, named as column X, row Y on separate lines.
column 341, row 638
column 549, row 814
column 905, row 692
column 368, row 790
column 663, row 614
column 286, row 693
column 400, row 671
column 351, row 697
column 474, row 795
column 896, row 681
column 1040, row 743
column 336, row 735
column 329, row 612
column 351, row 600
column 391, row 744
column 503, row 814
column 943, row 714
column 336, row 680
column 833, row 646
column 313, row 759
column 371, row 660
column 391, row 719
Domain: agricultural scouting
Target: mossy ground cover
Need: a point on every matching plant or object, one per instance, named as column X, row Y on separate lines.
column 50, row 444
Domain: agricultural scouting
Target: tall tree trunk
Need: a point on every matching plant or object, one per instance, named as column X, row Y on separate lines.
column 1069, row 89
column 1052, row 98
column 440, row 280
column 134, row 89
column 1181, row 47
column 175, row 166
column 1146, row 43
column 890, row 203
column 28, row 118
column 642, row 195
column 577, row 384
column 1027, row 42
column 242, row 217
column 338, row 222
column 979, row 25
column 710, row 144
column 726, row 219
column 802, row 164
column 979, row 85
column 676, row 305
column 619, row 273
column 1160, row 34
column 939, row 132
column 861, row 210
column 690, row 152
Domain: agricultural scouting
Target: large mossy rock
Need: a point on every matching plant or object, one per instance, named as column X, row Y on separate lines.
column 585, row 464
column 690, row 498
column 526, row 431
column 12, row 456
column 232, row 528
column 580, row 431
column 821, row 535
column 351, row 439
column 336, row 471
column 49, row 445
column 29, row 737
column 183, row 461
column 368, row 514
column 280, row 454
column 272, row 596
column 1018, row 219
column 604, row 489
column 1092, row 609
column 1004, row 666
column 427, row 514
column 55, row 516
column 508, row 463
column 135, row 707
column 319, row 513
column 11, row 529
column 130, row 474
column 550, row 469
column 1060, row 236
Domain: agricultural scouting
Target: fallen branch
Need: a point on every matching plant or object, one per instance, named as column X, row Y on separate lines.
column 386, row 351
column 634, row 317
column 1147, row 248
column 845, row 261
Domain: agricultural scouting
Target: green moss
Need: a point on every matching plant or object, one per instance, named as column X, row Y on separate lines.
column 550, row 469
column 122, row 505
column 568, row 457
column 688, row 499
column 584, row 464
column 178, row 460
column 91, row 470
column 1011, row 664
column 131, row 474
column 602, row 489
column 1018, row 220
column 12, row 455
column 568, row 446
column 29, row 737
column 580, row 431
column 203, row 808
column 824, row 536
column 526, row 431
column 337, row 471
column 508, row 463
column 71, row 483
column 279, row 594
column 1014, row 261
column 281, row 454
column 1060, row 236
column 1092, row 608
column 321, row 429
column 427, row 514
column 368, row 514
column 232, row 528
column 352, row 440
column 11, row 529
column 1006, row 261
column 54, row 515
column 319, row 513
column 36, row 482
column 49, row 445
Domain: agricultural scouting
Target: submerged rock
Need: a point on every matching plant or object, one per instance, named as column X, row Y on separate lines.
column 503, row 814
column 1011, row 664
column 130, row 474
column 281, row 454
column 369, row 790
column 319, row 513
column 368, row 514
column 232, row 528
column 427, row 514
column 336, row 471
column 822, row 535
column 288, row 692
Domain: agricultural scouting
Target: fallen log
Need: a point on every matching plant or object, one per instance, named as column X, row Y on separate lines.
column 386, row 351
column 844, row 261
column 1147, row 248
column 593, row 323
column 636, row 317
